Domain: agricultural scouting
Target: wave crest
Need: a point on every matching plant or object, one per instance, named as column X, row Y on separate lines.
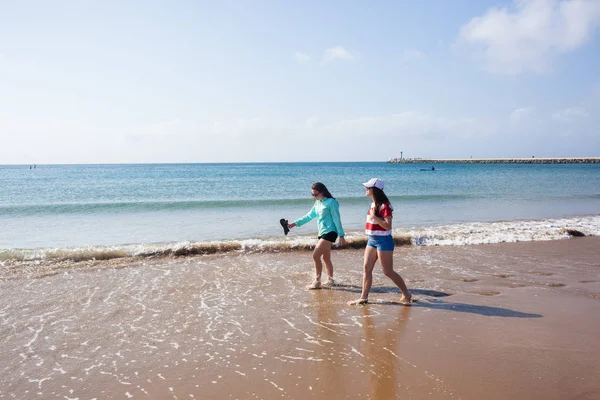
column 446, row 235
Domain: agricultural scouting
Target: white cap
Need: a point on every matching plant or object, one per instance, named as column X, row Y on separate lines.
column 375, row 182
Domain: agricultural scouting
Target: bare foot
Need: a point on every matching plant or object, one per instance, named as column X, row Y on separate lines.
column 315, row 285
column 358, row 302
column 329, row 283
column 406, row 300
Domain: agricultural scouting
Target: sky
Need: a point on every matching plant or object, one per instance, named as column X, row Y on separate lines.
column 120, row 81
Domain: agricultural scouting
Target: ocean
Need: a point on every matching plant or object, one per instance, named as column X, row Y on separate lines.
column 106, row 211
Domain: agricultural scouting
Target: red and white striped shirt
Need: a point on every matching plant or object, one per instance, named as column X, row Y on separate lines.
column 373, row 228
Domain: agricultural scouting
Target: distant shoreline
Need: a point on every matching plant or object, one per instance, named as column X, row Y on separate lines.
column 561, row 160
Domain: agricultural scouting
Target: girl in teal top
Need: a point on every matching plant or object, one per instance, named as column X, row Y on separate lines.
column 326, row 210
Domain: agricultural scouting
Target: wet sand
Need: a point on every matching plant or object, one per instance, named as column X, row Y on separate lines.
column 501, row 321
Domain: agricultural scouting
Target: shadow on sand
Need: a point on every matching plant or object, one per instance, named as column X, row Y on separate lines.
column 383, row 289
column 475, row 309
column 438, row 304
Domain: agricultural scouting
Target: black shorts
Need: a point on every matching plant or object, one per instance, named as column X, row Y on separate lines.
column 329, row 236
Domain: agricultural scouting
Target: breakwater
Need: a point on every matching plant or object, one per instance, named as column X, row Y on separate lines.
column 563, row 160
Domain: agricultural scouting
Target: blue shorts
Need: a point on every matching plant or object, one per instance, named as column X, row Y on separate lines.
column 382, row 243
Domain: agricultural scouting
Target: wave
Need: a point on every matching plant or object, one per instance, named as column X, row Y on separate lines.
column 173, row 205
column 504, row 231
column 444, row 235
column 133, row 206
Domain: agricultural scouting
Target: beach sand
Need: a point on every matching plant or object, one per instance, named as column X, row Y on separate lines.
column 513, row 320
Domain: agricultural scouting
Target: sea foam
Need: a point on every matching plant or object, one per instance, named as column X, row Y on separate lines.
column 443, row 235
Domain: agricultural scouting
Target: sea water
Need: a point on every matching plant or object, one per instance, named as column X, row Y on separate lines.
column 132, row 209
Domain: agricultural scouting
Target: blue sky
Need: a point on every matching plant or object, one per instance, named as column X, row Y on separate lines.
column 250, row 81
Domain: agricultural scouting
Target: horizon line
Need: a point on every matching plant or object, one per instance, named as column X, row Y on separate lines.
column 306, row 162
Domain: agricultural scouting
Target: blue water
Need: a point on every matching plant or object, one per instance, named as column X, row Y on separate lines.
column 60, row 206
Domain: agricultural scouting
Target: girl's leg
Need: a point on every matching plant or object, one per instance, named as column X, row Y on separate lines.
column 386, row 258
column 327, row 258
column 322, row 247
column 369, row 263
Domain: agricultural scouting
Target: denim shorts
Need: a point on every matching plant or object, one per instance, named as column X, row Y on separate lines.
column 382, row 243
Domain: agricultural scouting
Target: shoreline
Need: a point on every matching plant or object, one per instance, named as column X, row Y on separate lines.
column 532, row 160
column 84, row 259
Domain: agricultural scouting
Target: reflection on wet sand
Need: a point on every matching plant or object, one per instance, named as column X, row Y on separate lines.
column 383, row 348
column 329, row 329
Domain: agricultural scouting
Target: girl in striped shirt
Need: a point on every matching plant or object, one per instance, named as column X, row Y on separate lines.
column 380, row 245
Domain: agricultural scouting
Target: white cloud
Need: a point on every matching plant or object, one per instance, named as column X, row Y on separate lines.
column 410, row 124
column 413, row 55
column 311, row 122
column 520, row 115
column 529, row 36
column 267, row 138
column 164, row 128
column 405, row 124
column 570, row 114
column 527, row 122
column 302, row 56
column 337, row 52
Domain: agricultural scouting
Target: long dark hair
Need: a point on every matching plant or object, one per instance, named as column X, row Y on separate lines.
column 380, row 199
column 319, row 187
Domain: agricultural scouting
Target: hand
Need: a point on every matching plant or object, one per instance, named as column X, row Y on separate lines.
column 343, row 242
column 372, row 212
column 290, row 226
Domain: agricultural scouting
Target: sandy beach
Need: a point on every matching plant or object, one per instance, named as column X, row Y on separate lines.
column 494, row 321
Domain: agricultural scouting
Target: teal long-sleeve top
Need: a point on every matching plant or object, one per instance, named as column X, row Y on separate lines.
column 327, row 212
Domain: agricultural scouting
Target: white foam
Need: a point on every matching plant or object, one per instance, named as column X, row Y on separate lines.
column 503, row 231
column 356, row 351
column 447, row 235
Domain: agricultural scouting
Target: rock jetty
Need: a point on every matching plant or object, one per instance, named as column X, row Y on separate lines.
column 532, row 160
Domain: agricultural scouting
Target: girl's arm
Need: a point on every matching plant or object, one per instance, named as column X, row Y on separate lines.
column 308, row 217
column 385, row 223
column 335, row 215
column 337, row 221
